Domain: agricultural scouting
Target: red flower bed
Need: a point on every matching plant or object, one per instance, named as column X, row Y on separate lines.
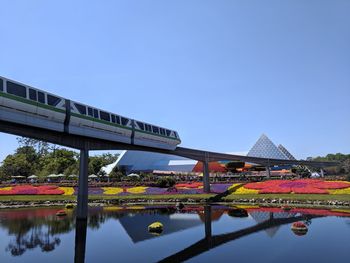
column 32, row 190
column 303, row 186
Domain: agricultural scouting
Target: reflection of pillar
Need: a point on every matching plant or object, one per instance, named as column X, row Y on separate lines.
column 82, row 208
column 271, row 216
column 322, row 172
column 206, row 180
column 207, row 221
column 80, row 240
column 268, row 172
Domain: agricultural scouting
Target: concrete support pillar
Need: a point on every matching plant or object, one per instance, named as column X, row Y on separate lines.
column 322, row 172
column 206, row 179
column 80, row 240
column 268, row 172
column 82, row 208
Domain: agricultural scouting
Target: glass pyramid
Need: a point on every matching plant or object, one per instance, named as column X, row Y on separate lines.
column 265, row 148
column 286, row 152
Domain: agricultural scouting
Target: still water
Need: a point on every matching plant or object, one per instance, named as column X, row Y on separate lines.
column 193, row 234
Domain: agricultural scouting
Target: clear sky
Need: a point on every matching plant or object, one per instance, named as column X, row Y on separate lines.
column 219, row 72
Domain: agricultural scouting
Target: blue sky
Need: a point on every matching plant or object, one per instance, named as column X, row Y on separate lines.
column 220, row 72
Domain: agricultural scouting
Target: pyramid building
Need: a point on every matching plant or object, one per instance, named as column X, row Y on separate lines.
column 265, row 148
column 286, row 152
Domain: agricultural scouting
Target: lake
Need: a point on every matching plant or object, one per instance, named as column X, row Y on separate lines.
column 193, row 234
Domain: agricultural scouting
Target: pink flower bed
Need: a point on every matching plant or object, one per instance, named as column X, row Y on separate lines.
column 32, row 190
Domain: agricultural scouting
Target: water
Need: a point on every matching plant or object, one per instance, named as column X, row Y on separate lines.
column 195, row 234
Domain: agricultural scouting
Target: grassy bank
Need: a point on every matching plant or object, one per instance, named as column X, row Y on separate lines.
column 36, row 198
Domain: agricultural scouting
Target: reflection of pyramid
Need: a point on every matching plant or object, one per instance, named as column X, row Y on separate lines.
column 265, row 148
column 261, row 217
column 137, row 225
column 286, row 152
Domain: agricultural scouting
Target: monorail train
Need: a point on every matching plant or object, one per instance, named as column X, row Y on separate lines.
column 23, row 104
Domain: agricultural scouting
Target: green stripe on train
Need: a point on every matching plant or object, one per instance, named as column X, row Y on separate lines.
column 30, row 102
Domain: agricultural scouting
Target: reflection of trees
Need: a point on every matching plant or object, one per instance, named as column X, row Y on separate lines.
column 34, row 232
column 36, row 237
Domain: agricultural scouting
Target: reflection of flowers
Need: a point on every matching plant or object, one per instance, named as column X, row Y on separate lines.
column 303, row 186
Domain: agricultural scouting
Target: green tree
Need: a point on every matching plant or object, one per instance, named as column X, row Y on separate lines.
column 41, row 147
column 97, row 162
column 58, row 161
column 16, row 165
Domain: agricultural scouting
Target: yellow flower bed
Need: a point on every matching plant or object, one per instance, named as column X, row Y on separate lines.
column 137, row 190
column 6, row 189
column 242, row 190
column 112, row 190
column 344, row 191
column 67, row 190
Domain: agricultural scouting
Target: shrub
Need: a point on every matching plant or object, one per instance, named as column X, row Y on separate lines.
column 165, row 182
column 347, row 178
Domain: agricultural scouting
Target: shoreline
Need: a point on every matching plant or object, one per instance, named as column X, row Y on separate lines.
column 275, row 201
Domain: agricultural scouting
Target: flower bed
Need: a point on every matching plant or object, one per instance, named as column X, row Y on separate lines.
column 303, row 186
column 32, row 190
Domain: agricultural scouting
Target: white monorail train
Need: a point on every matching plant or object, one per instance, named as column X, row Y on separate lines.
column 23, row 104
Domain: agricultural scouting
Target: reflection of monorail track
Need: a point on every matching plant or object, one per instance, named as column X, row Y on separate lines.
column 210, row 242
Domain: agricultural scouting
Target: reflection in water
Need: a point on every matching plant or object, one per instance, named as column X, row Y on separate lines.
column 80, row 240
column 32, row 229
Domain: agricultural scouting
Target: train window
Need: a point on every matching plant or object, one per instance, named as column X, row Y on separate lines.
column 33, row 95
column 113, row 118
column 16, row 89
column 90, row 112
column 1, row 85
column 124, row 121
column 95, row 113
column 162, row 131
column 168, row 132
column 141, row 125
column 148, row 128
column 41, row 97
column 52, row 100
column 155, row 129
column 117, row 119
column 104, row 116
column 80, row 108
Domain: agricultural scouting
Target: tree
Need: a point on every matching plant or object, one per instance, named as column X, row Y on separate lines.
column 41, row 147
column 59, row 161
column 117, row 173
column 16, row 165
column 97, row 162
